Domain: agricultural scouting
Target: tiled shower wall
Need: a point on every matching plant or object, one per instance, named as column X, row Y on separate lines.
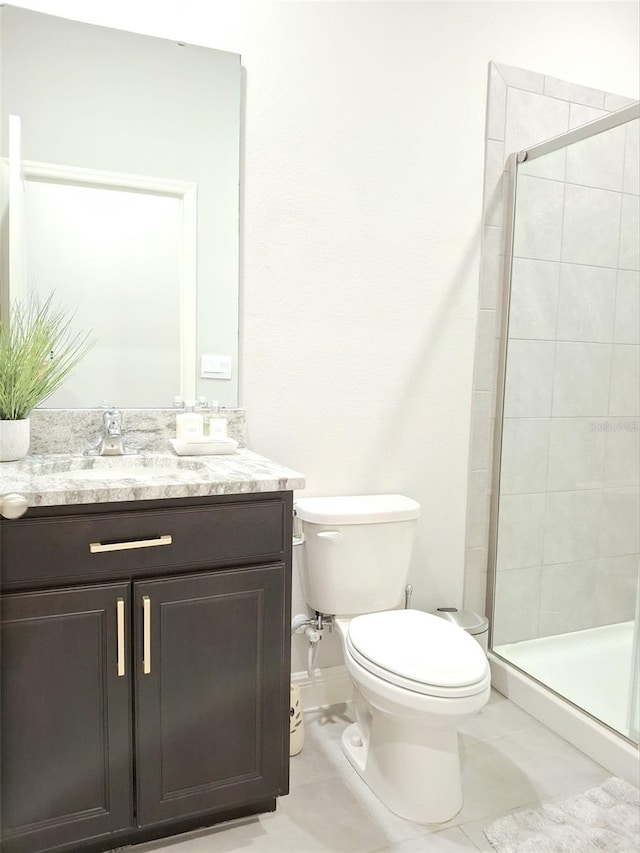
column 525, row 108
column 569, row 518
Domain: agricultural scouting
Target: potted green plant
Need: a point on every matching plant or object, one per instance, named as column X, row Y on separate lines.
column 38, row 351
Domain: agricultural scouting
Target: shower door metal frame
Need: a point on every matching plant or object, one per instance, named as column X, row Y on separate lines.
column 585, row 131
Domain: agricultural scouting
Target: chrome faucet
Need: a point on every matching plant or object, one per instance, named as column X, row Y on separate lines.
column 112, row 438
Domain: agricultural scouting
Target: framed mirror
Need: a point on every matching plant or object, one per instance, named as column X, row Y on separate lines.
column 120, row 193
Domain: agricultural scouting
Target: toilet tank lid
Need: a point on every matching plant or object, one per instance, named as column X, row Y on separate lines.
column 356, row 509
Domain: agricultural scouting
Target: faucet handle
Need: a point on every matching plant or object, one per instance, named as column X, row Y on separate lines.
column 112, row 420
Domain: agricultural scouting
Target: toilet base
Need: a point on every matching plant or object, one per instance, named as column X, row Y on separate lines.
column 354, row 748
column 414, row 770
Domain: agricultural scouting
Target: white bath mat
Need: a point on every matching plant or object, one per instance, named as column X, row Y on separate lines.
column 602, row 820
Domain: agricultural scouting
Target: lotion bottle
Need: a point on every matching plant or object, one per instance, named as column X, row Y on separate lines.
column 189, row 424
column 217, row 422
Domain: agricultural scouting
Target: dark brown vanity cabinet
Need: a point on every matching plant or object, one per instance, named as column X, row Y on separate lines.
column 65, row 766
column 151, row 694
column 208, row 700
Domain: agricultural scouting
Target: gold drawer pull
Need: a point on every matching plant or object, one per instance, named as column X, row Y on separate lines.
column 98, row 547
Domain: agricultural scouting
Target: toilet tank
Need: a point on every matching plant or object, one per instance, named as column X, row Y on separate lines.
column 356, row 551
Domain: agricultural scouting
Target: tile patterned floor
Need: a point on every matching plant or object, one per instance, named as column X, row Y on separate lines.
column 509, row 761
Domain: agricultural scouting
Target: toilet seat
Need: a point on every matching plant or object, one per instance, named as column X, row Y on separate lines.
column 418, row 652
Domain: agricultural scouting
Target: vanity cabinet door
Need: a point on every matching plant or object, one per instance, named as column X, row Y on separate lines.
column 66, row 719
column 212, row 691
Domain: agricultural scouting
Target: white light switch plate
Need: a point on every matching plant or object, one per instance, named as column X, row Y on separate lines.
column 215, row 366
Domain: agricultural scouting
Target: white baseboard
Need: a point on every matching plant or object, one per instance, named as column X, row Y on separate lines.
column 329, row 686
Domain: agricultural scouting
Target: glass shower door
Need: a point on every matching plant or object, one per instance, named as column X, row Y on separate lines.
column 568, row 515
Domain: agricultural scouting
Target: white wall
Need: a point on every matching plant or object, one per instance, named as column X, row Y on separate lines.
column 362, row 191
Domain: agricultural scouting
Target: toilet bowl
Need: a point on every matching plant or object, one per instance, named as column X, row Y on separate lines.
column 416, row 677
column 404, row 743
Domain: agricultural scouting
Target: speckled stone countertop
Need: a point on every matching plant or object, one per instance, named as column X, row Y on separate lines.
column 61, row 479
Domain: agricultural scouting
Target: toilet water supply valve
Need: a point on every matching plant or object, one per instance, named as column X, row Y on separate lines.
column 312, row 628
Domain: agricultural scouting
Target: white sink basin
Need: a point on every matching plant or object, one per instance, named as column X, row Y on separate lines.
column 119, row 468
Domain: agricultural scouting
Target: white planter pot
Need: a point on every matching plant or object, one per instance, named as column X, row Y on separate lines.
column 14, row 439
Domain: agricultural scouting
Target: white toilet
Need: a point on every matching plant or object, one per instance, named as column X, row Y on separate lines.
column 416, row 677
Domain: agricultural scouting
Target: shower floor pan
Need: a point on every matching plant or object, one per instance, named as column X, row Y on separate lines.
column 591, row 669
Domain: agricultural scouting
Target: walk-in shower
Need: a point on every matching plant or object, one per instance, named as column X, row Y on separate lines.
column 565, row 520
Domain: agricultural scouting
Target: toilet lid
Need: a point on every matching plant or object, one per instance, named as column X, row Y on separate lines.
column 417, row 650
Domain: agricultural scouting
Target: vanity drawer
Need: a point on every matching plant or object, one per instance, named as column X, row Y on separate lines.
column 131, row 543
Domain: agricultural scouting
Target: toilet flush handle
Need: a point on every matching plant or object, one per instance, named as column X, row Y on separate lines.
column 331, row 535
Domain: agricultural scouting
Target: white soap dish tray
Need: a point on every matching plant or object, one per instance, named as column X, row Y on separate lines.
column 203, row 446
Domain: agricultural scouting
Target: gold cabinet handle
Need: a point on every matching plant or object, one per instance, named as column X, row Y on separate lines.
column 121, row 652
column 146, row 651
column 98, row 547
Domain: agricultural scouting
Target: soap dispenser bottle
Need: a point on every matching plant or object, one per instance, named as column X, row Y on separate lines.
column 189, row 424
